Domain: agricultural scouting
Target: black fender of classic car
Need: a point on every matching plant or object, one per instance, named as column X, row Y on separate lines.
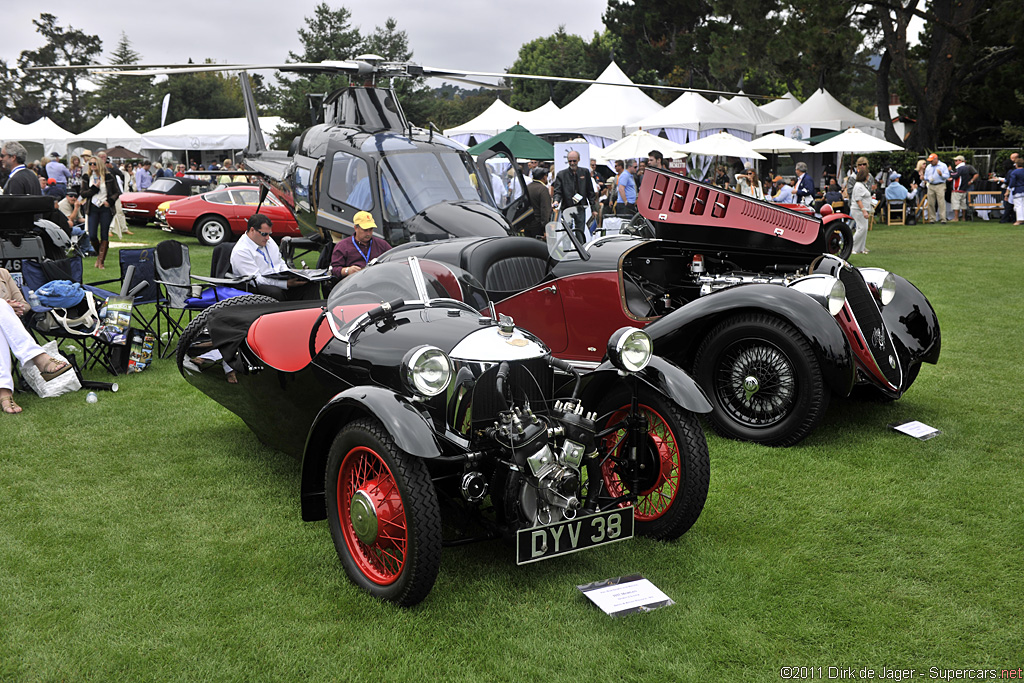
column 411, row 431
column 660, row 374
column 679, row 334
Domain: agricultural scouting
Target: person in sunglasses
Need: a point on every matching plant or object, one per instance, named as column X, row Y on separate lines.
column 100, row 192
column 20, row 180
column 256, row 253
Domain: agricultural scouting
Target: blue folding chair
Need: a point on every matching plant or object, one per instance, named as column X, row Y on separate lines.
column 143, row 262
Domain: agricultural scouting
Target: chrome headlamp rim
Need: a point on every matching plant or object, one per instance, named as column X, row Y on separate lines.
column 827, row 290
column 417, row 362
column 881, row 282
column 625, row 345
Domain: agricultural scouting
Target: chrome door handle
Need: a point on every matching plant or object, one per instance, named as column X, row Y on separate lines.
column 552, row 289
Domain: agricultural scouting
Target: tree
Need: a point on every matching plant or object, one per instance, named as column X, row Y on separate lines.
column 130, row 97
column 56, row 92
column 328, row 36
column 208, row 95
column 560, row 54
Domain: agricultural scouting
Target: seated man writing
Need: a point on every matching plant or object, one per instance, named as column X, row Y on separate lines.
column 256, row 253
column 352, row 254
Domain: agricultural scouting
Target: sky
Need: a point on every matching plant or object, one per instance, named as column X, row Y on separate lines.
column 478, row 35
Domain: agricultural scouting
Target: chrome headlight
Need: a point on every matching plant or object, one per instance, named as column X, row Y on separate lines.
column 881, row 282
column 828, row 291
column 427, row 370
column 630, row 349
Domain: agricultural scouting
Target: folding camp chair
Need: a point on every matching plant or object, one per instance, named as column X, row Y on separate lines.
column 95, row 351
column 182, row 295
column 144, row 262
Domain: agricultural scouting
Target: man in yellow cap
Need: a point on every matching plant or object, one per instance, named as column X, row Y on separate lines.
column 351, row 254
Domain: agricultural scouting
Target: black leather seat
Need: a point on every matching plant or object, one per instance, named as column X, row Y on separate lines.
column 506, row 265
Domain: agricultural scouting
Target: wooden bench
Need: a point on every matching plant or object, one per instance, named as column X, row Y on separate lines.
column 987, row 200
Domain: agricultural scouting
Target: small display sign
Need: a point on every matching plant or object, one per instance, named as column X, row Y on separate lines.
column 918, row 430
column 625, row 595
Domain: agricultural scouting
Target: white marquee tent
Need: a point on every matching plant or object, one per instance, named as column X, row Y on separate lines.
column 781, row 107
column 691, row 111
column 821, row 110
column 745, row 109
column 496, row 118
column 601, row 113
column 112, row 131
column 530, row 119
column 41, row 138
column 207, row 134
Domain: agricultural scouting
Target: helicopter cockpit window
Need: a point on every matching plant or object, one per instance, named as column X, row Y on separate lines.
column 350, row 181
column 418, row 180
column 463, row 173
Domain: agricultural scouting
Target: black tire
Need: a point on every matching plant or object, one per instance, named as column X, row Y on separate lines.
column 195, row 331
column 675, row 466
column 839, row 239
column 212, row 230
column 367, row 472
column 788, row 397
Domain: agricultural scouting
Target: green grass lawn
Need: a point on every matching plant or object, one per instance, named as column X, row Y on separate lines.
column 150, row 537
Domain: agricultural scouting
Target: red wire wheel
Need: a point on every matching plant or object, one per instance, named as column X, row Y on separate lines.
column 673, row 467
column 372, row 516
column 383, row 514
column 659, row 461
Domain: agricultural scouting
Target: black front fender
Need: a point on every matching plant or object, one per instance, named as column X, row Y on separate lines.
column 678, row 335
column 410, row 430
column 660, row 374
column 911, row 318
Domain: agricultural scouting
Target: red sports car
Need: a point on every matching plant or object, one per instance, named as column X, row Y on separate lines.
column 140, row 207
column 214, row 216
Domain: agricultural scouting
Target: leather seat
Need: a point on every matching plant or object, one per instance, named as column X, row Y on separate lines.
column 508, row 264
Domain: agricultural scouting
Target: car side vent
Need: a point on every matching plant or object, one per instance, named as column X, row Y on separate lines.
column 772, row 216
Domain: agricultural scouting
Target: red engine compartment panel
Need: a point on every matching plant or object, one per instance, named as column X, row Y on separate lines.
column 667, row 197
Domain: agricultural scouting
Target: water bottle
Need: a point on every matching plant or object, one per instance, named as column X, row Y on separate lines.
column 33, row 299
column 91, row 397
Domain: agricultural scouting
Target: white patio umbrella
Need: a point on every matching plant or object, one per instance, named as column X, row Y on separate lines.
column 774, row 143
column 723, row 145
column 637, row 145
column 855, row 141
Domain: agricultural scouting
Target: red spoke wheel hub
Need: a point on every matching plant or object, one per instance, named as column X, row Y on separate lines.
column 372, row 516
column 658, row 462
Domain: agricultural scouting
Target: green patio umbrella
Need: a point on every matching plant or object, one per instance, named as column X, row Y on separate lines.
column 522, row 143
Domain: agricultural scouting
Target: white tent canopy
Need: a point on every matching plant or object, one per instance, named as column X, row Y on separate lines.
column 781, row 107
column 44, row 133
column 112, row 131
column 742, row 106
column 693, row 112
column 773, row 143
column 637, row 145
column 207, row 134
column 530, row 119
column 496, row 118
column 821, row 110
column 601, row 113
column 854, row 141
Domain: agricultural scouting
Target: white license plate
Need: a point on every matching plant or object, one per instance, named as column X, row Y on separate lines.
column 561, row 538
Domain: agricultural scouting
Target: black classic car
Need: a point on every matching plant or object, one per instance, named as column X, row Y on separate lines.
column 740, row 292
column 420, row 422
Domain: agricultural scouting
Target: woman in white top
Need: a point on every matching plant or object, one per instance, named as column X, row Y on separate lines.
column 746, row 183
column 860, row 207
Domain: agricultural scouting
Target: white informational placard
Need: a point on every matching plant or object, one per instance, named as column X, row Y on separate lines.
column 625, row 595
column 918, row 430
column 563, row 148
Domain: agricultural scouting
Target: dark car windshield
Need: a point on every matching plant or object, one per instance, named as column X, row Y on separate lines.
column 411, row 280
column 414, row 181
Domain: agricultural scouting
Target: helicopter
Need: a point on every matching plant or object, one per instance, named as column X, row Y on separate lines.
column 362, row 154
